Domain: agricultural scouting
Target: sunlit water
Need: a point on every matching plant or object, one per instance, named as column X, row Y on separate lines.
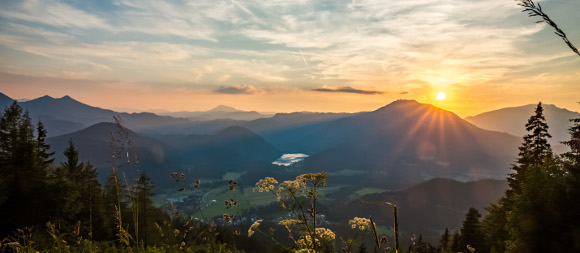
column 289, row 159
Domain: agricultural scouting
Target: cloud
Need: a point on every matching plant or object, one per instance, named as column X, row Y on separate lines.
column 52, row 13
column 403, row 93
column 237, row 89
column 348, row 89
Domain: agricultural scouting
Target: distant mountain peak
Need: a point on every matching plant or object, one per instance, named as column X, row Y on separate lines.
column 45, row 97
column 400, row 103
column 223, row 108
column 4, row 97
column 236, row 131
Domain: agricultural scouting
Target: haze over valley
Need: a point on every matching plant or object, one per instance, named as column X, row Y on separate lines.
column 408, row 152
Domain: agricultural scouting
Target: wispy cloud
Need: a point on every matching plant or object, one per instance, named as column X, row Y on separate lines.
column 348, row 89
column 236, row 89
column 50, row 12
column 373, row 46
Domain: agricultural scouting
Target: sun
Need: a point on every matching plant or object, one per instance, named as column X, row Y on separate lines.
column 440, row 96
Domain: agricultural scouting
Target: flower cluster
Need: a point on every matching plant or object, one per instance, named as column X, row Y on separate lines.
column 230, row 203
column 228, row 218
column 322, row 234
column 317, row 179
column 288, row 222
column 360, row 223
column 325, row 234
column 266, row 184
column 233, row 184
column 254, row 228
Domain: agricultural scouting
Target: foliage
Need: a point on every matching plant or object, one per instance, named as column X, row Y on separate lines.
column 299, row 198
column 24, row 165
column 535, row 10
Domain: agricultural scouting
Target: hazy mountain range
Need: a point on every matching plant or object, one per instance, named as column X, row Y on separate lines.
column 431, row 162
column 219, row 112
column 513, row 119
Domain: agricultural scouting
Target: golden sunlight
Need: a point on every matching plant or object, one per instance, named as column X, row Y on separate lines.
column 440, row 96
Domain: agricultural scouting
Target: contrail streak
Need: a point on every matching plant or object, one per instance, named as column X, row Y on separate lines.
column 305, row 62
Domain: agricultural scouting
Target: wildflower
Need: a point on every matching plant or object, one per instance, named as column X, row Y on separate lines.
column 288, row 222
column 266, row 184
column 254, row 228
column 232, row 184
column 360, row 223
column 228, row 218
column 325, row 234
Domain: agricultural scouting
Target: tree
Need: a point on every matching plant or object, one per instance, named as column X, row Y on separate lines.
column 444, row 242
column 574, row 143
column 91, row 197
column 146, row 211
column 471, row 232
column 528, row 218
column 533, row 150
column 23, row 172
column 43, row 149
column 494, row 226
column 114, row 197
column 79, row 194
column 570, row 206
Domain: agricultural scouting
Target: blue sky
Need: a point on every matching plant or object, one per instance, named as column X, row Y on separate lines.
column 289, row 55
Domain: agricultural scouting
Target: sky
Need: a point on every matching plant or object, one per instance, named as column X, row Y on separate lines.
column 289, row 55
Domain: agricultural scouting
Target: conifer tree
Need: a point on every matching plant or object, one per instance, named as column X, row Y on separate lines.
column 42, row 148
column 570, row 206
column 23, row 178
column 146, row 210
column 494, row 226
column 114, row 196
column 471, row 232
column 91, row 196
column 533, row 150
column 531, row 203
column 444, row 242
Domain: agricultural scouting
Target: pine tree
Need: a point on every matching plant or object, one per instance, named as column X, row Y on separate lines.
column 533, row 151
column 142, row 202
column 455, row 240
column 23, row 177
column 444, row 242
column 71, row 166
column 570, row 206
column 494, row 226
column 531, row 205
column 91, row 196
column 43, row 149
column 471, row 232
column 114, row 196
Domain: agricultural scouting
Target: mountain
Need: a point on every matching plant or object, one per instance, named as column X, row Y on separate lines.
column 512, row 120
column 285, row 130
column 233, row 149
column 73, row 114
column 219, row 112
column 406, row 142
column 5, row 101
column 56, row 127
column 93, row 144
column 426, row 208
